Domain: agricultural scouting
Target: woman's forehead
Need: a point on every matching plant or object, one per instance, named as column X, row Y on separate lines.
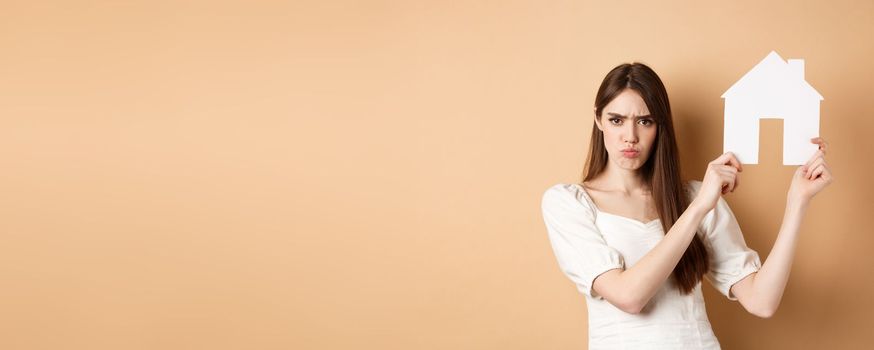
column 628, row 103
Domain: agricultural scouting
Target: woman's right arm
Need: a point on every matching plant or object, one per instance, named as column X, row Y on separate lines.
column 632, row 288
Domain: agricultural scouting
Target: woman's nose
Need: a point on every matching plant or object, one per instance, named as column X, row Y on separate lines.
column 630, row 135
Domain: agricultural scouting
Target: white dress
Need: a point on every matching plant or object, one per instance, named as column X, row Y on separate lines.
column 588, row 242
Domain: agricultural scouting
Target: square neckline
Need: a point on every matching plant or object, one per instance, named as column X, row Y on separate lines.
column 595, row 206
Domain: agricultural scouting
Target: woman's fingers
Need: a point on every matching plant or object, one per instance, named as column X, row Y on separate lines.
column 816, row 167
column 813, row 165
column 821, row 142
column 729, row 178
column 822, row 171
column 722, row 159
column 816, row 155
column 729, row 159
column 827, row 175
column 736, row 182
column 726, row 167
column 732, row 160
column 820, row 153
column 819, row 169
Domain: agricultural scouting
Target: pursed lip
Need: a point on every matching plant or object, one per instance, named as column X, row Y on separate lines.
column 630, row 153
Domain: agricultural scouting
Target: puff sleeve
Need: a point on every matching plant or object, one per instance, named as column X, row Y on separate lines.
column 730, row 258
column 580, row 249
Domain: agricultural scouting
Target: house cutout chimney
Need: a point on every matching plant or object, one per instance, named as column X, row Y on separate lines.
column 797, row 68
column 773, row 88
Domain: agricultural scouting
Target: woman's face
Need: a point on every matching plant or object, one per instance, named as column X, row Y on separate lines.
column 629, row 131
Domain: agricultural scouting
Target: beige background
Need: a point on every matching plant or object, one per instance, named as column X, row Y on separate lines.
column 368, row 175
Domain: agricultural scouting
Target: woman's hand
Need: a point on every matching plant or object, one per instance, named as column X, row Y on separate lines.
column 720, row 178
column 811, row 177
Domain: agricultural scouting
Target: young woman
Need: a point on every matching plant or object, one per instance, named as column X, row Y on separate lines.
column 637, row 241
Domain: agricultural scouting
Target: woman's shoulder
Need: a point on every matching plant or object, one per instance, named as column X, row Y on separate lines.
column 565, row 192
column 563, row 189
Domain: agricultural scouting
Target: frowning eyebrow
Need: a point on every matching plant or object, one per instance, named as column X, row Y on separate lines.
column 617, row 115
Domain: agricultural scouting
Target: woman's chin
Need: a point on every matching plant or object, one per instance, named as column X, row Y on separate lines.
column 629, row 164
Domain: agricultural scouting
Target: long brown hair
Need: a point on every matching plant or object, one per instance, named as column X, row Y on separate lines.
column 662, row 170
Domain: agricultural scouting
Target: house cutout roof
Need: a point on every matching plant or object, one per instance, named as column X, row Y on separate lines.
column 774, row 75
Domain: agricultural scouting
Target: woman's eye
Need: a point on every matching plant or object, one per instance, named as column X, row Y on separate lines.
column 646, row 122
column 615, row 120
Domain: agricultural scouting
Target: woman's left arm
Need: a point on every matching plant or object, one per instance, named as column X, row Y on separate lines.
column 760, row 292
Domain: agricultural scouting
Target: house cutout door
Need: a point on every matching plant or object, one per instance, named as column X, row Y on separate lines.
column 771, row 140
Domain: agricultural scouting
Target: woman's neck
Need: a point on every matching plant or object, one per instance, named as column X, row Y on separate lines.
column 627, row 182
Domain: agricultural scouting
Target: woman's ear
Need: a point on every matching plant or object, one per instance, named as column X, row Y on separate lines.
column 597, row 120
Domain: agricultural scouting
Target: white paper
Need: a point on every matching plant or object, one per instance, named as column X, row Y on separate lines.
column 775, row 89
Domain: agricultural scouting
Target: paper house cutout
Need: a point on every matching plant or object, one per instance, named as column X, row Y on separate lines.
column 772, row 89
